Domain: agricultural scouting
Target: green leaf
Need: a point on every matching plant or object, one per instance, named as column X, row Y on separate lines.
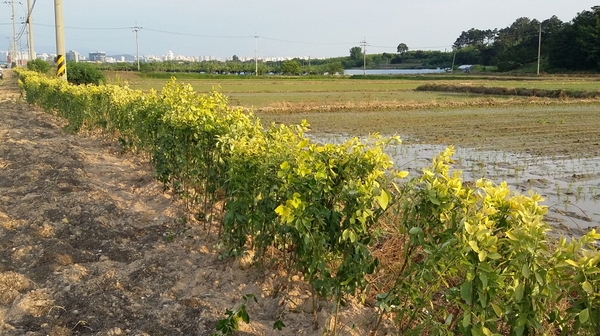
column 466, row 319
column 243, row 314
column 519, row 330
column 278, row 325
column 519, row 292
column 433, row 198
column 484, row 280
column 497, row 309
column 466, row 292
column 494, row 256
column 449, row 319
column 476, row 331
column 525, row 270
column 539, row 278
column 482, row 299
column 584, row 315
column 587, row 287
column 415, row 231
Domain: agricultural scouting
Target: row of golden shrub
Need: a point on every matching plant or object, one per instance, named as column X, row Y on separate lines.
column 471, row 260
column 504, row 91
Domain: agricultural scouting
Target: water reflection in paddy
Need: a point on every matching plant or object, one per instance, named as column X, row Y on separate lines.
column 570, row 187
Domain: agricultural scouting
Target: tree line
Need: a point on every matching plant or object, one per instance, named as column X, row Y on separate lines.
column 296, row 66
column 565, row 46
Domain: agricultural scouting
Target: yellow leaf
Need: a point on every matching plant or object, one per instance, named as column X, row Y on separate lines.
column 401, row 174
column 511, row 236
column 572, row 263
column 473, row 245
column 283, row 211
column 482, row 255
column 383, row 199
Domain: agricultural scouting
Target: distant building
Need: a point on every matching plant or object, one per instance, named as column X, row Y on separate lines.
column 74, row 56
column 465, row 67
column 170, row 56
column 98, row 56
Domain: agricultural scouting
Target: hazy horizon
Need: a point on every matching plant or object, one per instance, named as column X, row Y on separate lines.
column 310, row 29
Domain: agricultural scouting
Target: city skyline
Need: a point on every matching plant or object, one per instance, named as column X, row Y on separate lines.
column 74, row 55
column 270, row 28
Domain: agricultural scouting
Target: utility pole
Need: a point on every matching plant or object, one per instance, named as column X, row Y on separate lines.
column 453, row 59
column 255, row 54
column 61, row 64
column 13, row 56
column 539, row 50
column 364, row 45
column 136, row 29
column 30, row 31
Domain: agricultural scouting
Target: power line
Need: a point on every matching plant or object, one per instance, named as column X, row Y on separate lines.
column 197, row 35
column 205, row 36
column 84, row 28
column 300, row 42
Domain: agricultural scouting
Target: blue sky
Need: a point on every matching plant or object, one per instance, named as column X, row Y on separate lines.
column 223, row 28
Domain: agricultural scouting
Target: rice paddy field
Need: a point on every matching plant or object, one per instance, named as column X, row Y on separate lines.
column 550, row 146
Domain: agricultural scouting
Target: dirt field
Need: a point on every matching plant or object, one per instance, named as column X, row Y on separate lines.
column 90, row 245
column 566, row 130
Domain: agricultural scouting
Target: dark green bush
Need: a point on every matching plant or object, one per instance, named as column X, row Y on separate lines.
column 84, row 73
column 38, row 65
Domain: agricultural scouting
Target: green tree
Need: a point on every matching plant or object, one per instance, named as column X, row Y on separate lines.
column 575, row 46
column 38, row 65
column 517, row 44
column 291, row 67
column 402, row 49
column 84, row 73
column 334, row 67
column 356, row 56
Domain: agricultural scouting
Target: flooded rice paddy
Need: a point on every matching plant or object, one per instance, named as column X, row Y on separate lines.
column 570, row 186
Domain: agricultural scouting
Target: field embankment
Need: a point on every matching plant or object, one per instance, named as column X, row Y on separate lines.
column 504, row 91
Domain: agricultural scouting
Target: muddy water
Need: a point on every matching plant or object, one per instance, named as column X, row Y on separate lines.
column 570, row 186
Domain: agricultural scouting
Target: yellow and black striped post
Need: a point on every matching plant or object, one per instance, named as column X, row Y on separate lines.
column 61, row 67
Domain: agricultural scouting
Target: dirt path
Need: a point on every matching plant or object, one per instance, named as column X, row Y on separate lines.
column 90, row 245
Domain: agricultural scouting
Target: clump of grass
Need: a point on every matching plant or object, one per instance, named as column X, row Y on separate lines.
column 503, row 91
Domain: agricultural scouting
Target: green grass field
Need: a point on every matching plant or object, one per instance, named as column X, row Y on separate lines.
column 281, row 94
